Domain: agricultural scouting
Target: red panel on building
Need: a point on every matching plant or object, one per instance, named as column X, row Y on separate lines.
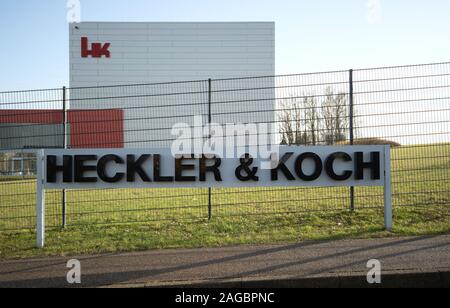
column 96, row 128
column 38, row 116
column 87, row 128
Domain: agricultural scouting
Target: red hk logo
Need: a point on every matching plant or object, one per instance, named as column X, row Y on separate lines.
column 97, row 49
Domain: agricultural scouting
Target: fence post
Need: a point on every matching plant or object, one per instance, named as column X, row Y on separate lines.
column 40, row 200
column 352, row 137
column 64, row 200
column 209, row 138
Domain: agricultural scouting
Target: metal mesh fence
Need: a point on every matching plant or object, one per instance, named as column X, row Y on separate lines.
column 407, row 107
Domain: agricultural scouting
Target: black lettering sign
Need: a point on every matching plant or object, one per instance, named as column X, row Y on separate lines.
column 157, row 170
column 92, row 168
column 373, row 165
column 180, row 167
column 214, row 169
column 245, row 172
column 53, row 169
column 81, row 168
column 101, row 169
column 135, row 166
column 329, row 166
column 282, row 167
column 317, row 169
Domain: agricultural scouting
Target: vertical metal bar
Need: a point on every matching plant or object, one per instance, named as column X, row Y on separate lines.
column 387, row 189
column 209, row 104
column 40, row 201
column 64, row 195
column 351, row 128
column 22, row 170
column 209, row 203
column 209, row 137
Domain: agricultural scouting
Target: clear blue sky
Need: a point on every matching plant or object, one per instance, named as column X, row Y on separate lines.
column 311, row 35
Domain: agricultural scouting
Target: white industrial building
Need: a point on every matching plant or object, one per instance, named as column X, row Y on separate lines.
column 160, row 54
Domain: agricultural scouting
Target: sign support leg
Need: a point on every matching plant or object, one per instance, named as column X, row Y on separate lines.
column 387, row 189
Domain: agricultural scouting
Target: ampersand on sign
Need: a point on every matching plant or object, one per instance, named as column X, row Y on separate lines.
column 246, row 162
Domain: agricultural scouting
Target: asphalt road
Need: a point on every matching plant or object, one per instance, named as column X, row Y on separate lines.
column 302, row 264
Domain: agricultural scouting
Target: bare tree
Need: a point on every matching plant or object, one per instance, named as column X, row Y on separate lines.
column 294, row 123
column 334, row 117
column 291, row 123
column 312, row 120
column 306, row 121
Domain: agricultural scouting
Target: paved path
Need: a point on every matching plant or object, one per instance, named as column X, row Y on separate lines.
column 231, row 266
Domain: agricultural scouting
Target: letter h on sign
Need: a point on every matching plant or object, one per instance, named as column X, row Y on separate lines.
column 97, row 51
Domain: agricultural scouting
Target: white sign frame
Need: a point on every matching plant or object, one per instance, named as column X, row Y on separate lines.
column 385, row 175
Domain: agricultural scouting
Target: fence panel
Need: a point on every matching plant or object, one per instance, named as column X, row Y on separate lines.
column 147, row 115
column 291, row 108
column 410, row 108
column 407, row 107
column 28, row 120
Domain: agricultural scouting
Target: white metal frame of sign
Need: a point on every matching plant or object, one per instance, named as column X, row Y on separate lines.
column 315, row 166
